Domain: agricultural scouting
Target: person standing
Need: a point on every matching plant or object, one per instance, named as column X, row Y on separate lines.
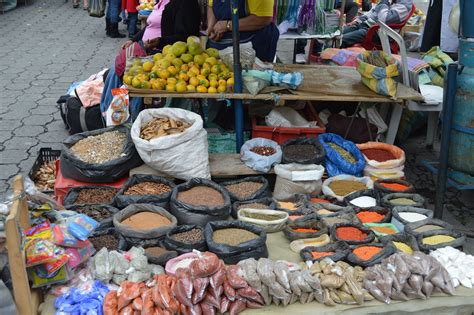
column 112, row 19
column 132, row 16
column 85, row 4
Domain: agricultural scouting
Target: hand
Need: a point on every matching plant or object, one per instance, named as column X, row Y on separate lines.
column 152, row 43
column 127, row 44
column 218, row 31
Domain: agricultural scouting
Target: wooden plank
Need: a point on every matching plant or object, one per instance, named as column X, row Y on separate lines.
column 221, row 165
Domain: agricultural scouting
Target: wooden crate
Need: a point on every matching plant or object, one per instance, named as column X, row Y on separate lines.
column 27, row 300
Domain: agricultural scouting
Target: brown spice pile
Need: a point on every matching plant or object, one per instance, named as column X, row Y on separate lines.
column 147, row 188
column 91, row 196
column 201, row 196
column 244, row 190
column 146, row 221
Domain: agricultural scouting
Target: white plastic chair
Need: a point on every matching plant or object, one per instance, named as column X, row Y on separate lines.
column 385, row 33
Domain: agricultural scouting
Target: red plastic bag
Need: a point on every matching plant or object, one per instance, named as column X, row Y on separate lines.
column 148, row 306
column 253, row 305
column 200, row 286
column 207, row 309
column 128, row 292
column 137, row 304
column 195, row 309
column 127, row 310
column 250, row 294
column 229, row 291
column 237, row 306
column 206, row 265
column 212, row 300
column 217, row 279
column 235, row 280
column 110, row 306
column 225, row 303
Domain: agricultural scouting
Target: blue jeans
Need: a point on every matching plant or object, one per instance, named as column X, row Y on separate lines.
column 113, row 10
column 354, row 34
column 132, row 23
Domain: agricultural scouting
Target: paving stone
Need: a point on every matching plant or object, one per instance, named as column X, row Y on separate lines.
column 29, row 131
column 13, row 156
column 37, row 120
column 56, row 136
column 21, row 143
column 8, row 170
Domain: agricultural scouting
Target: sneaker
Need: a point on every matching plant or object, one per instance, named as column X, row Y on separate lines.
column 300, row 58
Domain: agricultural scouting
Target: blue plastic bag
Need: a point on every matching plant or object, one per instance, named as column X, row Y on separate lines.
column 81, row 226
column 335, row 163
column 82, row 303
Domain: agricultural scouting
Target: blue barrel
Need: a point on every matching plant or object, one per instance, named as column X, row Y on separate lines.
column 466, row 18
column 461, row 154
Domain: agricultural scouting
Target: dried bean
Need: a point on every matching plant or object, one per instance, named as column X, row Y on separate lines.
column 147, row 188
column 265, row 151
column 342, row 152
column 300, row 151
column 101, row 148
column 107, row 241
column 233, row 236
column 244, row 189
column 189, row 237
column 201, row 196
column 91, row 196
column 253, row 205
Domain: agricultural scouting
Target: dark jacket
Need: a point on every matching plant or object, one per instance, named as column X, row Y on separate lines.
column 180, row 19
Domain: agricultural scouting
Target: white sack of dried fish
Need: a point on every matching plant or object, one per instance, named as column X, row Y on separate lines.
column 172, row 141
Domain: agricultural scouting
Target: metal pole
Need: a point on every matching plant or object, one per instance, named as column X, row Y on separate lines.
column 238, row 108
column 448, row 101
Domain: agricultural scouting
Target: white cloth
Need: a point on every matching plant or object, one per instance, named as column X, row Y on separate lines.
column 449, row 39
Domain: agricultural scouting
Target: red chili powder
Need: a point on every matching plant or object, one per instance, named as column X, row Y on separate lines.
column 366, row 252
column 294, row 217
column 370, row 216
column 383, row 229
column 317, row 255
column 378, row 155
column 394, row 186
column 305, row 230
column 349, row 233
column 319, row 200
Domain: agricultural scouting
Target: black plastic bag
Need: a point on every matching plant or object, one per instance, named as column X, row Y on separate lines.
column 408, row 239
column 300, row 201
column 161, row 259
column 108, row 172
column 386, row 212
column 361, row 193
column 308, row 222
column 73, row 193
column 121, row 200
column 122, row 244
column 340, row 249
column 387, row 250
column 345, row 216
column 200, row 215
column 369, row 239
column 411, row 228
column 458, row 242
column 140, row 237
column 400, row 223
column 317, row 158
column 96, row 209
column 256, row 248
column 263, row 192
column 97, row 8
column 181, row 247
column 266, row 201
column 419, row 201
column 382, row 190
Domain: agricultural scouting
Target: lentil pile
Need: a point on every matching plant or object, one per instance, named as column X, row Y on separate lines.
column 189, row 237
column 253, row 205
column 342, row 152
column 147, row 188
column 96, row 212
column 394, row 186
column 305, row 230
column 366, row 252
column 244, row 190
column 437, row 239
column 345, row 187
column 370, row 217
column 402, row 201
column 287, row 205
column 89, row 196
column 233, row 236
column 101, row 148
column 107, row 241
column 201, row 196
column 146, row 221
column 265, row 151
column 155, row 251
column 403, row 247
column 349, row 233
column 318, row 255
column 300, row 151
column 428, row 227
column 378, row 155
column 318, row 200
column 263, row 216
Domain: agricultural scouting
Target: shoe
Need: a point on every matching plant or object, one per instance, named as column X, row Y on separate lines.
column 85, row 8
column 300, row 58
column 75, row 6
column 114, row 32
column 107, row 27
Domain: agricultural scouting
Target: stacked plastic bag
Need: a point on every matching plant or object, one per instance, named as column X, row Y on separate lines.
column 389, row 169
column 459, row 265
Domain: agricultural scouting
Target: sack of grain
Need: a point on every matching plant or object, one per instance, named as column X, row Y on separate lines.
column 297, row 179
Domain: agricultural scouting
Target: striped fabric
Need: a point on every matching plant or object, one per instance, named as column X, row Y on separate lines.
column 381, row 80
column 394, row 13
column 292, row 80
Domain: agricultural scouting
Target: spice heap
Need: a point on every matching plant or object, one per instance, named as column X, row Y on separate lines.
column 189, row 237
column 318, row 255
column 412, row 216
column 403, row 247
column 458, row 264
column 201, row 196
column 155, row 251
column 95, row 212
column 402, row 202
column 364, row 202
column 263, row 216
column 394, row 186
column 262, row 150
column 244, row 190
column 324, row 212
column 253, row 205
column 160, row 127
column 287, row 205
column 437, row 239
column 300, row 151
column 342, row 152
column 45, row 176
column 366, row 252
column 417, row 276
column 284, row 283
column 383, row 230
column 107, row 241
column 147, row 188
column 146, row 221
column 318, row 200
column 233, row 236
column 345, row 187
column 350, row 233
column 378, row 155
column 370, row 217
column 107, row 146
column 428, row 227
column 305, row 230
column 89, row 196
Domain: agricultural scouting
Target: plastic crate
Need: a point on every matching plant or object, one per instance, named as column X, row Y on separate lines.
column 63, row 184
column 281, row 134
column 44, row 155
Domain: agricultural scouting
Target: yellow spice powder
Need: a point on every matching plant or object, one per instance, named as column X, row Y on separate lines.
column 437, row 239
column 403, row 247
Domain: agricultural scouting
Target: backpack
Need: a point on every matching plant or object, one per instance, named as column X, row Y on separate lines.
column 77, row 118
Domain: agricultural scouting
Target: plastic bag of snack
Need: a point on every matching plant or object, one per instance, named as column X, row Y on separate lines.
column 234, row 277
column 212, row 300
column 128, row 292
column 250, row 294
column 147, row 302
column 237, row 307
column 207, row 264
column 370, row 285
column 265, row 271
column 110, row 306
column 249, row 268
column 40, row 251
column 199, row 286
column 42, row 230
column 118, row 112
column 229, row 292
column 332, row 281
column 79, row 255
column 217, row 279
column 81, row 226
column 265, row 293
column 354, row 287
column 281, row 272
column 225, row 304
column 62, row 237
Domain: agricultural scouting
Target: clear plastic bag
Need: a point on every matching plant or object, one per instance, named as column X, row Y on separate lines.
column 247, row 56
column 258, row 162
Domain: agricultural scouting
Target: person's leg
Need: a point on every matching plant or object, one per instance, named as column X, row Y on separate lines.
column 351, row 10
column 350, row 29
column 300, row 50
column 355, row 37
column 132, row 24
column 75, row 4
column 114, row 11
column 85, row 4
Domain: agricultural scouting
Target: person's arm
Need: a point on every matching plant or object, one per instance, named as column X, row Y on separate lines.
column 187, row 21
column 211, row 20
column 394, row 14
column 248, row 23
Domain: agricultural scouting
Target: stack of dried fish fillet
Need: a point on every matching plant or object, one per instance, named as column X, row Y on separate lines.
column 160, row 127
column 45, row 176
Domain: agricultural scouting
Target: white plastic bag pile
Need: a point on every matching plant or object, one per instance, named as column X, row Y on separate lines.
column 459, row 265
